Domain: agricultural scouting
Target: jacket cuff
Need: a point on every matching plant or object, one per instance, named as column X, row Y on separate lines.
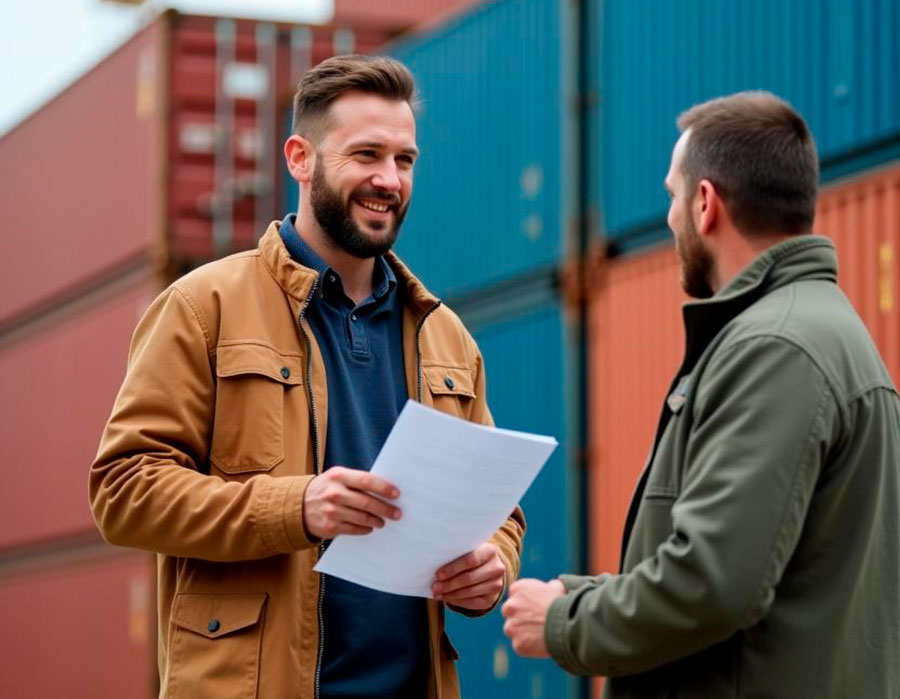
column 280, row 519
column 555, row 635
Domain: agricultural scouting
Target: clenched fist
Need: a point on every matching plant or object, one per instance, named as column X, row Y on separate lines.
column 347, row 501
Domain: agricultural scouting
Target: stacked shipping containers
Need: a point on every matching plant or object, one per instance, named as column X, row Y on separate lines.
column 543, row 122
column 161, row 157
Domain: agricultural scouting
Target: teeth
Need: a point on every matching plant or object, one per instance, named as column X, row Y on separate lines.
column 373, row 206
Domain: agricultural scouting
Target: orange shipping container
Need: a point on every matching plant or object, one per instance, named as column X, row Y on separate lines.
column 636, row 338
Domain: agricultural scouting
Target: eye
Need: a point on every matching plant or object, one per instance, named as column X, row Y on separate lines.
column 406, row 161
column 367, row 154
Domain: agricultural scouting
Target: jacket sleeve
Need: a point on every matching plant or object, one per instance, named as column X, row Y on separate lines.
column 146, row 486
column 508, row 539
column 763, row 422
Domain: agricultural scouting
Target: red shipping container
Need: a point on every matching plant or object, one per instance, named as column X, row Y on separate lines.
column 81, row 630
column 80, row 190
column 58, row 389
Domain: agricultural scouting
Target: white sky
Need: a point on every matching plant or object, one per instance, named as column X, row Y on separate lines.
column 46, row 44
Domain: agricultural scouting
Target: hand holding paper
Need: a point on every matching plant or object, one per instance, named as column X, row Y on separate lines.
column 458, row 483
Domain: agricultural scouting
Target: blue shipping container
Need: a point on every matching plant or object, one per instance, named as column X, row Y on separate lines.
column 530, row 363
column 836, row 61
column 493, row 190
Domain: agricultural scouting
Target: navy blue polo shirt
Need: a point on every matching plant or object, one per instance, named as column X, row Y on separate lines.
column 375, row 643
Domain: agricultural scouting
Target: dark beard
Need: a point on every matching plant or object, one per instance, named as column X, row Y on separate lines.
column 334, row 217
column 697, row 264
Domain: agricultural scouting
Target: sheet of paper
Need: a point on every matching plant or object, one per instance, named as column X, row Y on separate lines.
column 458, row 483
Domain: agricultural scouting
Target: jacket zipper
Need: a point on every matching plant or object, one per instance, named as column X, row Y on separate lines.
column 435, row 670
column 316, row 467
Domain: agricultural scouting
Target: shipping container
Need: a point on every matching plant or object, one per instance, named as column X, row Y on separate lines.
column 494, row 188
column 531, row 362
column 836, row 61
column 59, row 384
column 80, row 630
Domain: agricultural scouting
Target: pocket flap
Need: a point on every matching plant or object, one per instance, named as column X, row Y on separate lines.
column 444, row 380
column 217, row 615
column 255, row 358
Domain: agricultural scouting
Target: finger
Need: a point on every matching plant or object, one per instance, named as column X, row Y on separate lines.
column 363, row 480
column 492, row 570
column 491, row 590
column 348, row 515
column 467, row 561
column 367, row 503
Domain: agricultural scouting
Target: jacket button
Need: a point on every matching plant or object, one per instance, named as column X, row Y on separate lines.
column 285, row 372
column 213, row 625
column 448, row 382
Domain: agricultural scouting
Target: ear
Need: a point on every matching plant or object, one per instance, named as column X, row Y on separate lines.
column 300, row 156
column 708, row 208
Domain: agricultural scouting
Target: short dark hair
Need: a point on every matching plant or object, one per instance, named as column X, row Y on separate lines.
column 324, row 83
column 760, row 155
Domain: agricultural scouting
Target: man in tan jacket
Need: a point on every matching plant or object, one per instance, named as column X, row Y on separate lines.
column 259, row 390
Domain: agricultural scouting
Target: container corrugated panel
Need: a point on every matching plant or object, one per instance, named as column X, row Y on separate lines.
column 58, row 387
column 862, row 215
column 834, row 60
column 80, row 630
column 636, row 338
column 529, row 358
column 493, row 191
column 80, row 186
column 635, row 341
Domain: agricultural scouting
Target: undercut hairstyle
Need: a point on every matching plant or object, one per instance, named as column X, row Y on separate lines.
column 326, row 82
column 761, row 157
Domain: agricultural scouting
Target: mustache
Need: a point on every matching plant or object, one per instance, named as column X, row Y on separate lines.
column 386, row 197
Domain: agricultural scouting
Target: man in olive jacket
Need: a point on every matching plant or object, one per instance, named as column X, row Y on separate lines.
column 259, row 391
column 762, row 545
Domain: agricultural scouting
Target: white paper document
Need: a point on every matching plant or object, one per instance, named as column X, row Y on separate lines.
column 458, row 483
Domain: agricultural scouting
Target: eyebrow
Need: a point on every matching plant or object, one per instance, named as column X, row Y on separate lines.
column 378, row 145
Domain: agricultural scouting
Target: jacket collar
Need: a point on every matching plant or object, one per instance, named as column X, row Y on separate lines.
column 297, row 281
column 804, row 258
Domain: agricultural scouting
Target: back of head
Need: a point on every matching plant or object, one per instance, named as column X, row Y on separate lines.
column 760, row 155
column 326, row 82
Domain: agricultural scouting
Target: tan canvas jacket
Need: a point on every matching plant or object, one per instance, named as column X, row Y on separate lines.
column 217, row 430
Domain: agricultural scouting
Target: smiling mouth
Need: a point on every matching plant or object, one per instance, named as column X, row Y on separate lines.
column 373, row 205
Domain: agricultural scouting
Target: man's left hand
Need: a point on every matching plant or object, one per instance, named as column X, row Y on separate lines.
column 473, row 581
column 525, row 611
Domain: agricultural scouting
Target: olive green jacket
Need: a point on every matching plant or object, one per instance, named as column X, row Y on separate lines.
column 762, row 545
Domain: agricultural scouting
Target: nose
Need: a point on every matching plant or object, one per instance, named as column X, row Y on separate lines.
column 387, row 177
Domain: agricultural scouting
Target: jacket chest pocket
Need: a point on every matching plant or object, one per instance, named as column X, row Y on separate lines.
column 215, row 646
column 252, row 381
column 451, row 389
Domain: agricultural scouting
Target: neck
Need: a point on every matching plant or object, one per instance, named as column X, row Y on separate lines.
column 356, row 273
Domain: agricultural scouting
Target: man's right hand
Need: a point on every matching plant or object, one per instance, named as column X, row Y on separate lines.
column 346, row 501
